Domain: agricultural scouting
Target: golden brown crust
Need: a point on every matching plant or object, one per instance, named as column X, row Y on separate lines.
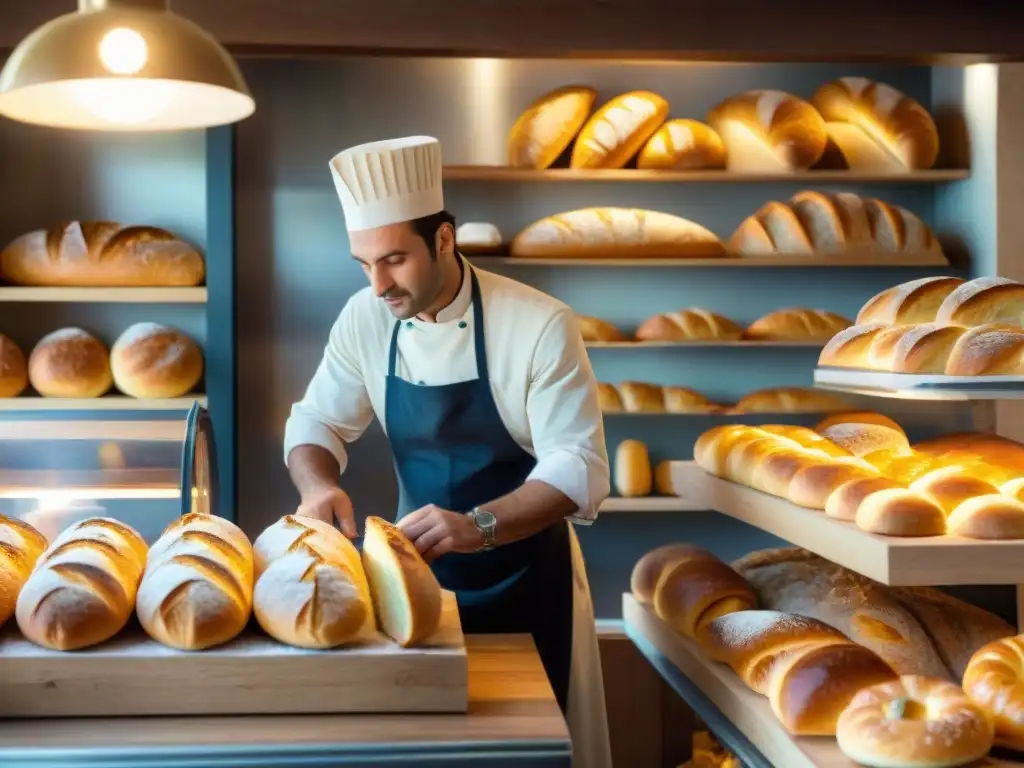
column 683, row 145
column 544, row 130
column 994, row 349
column 150, row 360
column 797, row 324
column 915, row 301
column 692, row 324
column 70, row 363
column 618, row 129
column 649, row 568
column 789, row 400
column 595, row 329
column 13, row 368
column 633, row 474
column 993, row 681
column 697, row 590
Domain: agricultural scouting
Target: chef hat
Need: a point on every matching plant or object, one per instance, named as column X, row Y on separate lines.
column 387, row 182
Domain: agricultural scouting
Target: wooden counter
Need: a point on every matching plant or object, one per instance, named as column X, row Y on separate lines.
column 513, row 720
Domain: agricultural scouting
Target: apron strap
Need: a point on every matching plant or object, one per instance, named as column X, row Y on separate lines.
column 393, row 351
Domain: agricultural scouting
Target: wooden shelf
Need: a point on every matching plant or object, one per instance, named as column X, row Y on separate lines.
column 649, row 504
column 505, row 173
column 106, row 403
column 698, row 344
column 874, row 261
column 918, row 561
column 761, row 416
column 105, row 295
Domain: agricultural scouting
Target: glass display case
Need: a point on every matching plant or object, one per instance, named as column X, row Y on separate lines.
column 144, row 473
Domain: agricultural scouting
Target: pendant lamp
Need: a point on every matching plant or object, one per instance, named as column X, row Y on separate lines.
column 123, row 65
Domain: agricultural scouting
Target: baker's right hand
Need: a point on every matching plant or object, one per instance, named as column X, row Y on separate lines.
column 328, row 505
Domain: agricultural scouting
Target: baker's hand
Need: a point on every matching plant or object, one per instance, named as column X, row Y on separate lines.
column 327, row 504
column 436, row 531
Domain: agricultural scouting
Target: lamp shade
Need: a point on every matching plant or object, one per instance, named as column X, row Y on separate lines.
column 123, row 65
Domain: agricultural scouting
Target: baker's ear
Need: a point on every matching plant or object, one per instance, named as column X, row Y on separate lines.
column 444, row 241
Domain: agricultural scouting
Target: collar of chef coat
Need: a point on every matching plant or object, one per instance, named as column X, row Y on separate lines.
column 460, row 304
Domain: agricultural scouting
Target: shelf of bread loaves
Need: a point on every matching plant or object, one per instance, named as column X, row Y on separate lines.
column 813, row 229
column 151, row 367
column 636, row 398
column 933, row 338
column 376, row 625
column 854, row 490
column 817, row 665
column 102, row 261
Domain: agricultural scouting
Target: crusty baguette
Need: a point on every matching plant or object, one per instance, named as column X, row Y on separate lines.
column 916, row 301
column 101, row 254
column 683, row 145
column 643, row 397
column 789, row 400
column 797, row 324
column 20, row 547
column 595, row 329
column 853, row 347
column 692, row 324
column 548, row 125
column 608, row 232
column 894, row 120
column 982, row 301
column 995, row 349
column 618, row 129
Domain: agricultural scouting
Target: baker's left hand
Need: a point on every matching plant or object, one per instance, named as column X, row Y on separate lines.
column 436, row 531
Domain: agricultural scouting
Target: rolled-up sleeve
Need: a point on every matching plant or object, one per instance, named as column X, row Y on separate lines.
column 565, row 418
column 336, row 408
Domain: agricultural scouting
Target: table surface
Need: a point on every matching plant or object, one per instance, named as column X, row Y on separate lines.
column 511, row 707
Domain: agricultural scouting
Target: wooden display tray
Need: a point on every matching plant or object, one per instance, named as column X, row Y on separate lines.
column 750, row 713
column 254, row 674
column 917, row 561
column 919, row 386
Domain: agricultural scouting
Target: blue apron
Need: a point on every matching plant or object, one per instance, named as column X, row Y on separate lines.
column 452, row 449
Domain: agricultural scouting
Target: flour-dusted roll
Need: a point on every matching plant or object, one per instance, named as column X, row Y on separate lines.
column 406, row 594
column 70, row 363
column 82, row 590
column 692, row 324
column 20, row 547
column 994, row 349
column 618, row 129
column 652, row 566
column 983, row 300
column 683, row 145
column 101, row 254
column 196, row 591
column 546, row 128
column 769, row 131
column 608, row 232
column 13, row 368
column 796, row 324
column 633, row 474
column 150, row 360
column 789, row 400
column 595, row 329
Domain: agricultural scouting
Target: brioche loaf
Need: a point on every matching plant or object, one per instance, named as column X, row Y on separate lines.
column 548, row 125
column 993, row 680
column 70, row 363
column 608, row 232
column 13, row 368
column 916, row 301
column 633, row 475
column 82, row 589
column 796, row 324
column 916, row 721
column 862, row 439
column 895, row 121
column 689, row 325
column 150, row 360
column 649, row 569
column 641, row 397
column 987, row 350
column 712, row 449
column 694, row 591
column 406, row 594
column 101, row 254
column 594, row 329
column 683, row 145
column 476, row 237
column 769, row 131
column 858, row 417
column 983, row 300
column 20, row 547
column 618, row 129
column 789, row 400
column 196, row 591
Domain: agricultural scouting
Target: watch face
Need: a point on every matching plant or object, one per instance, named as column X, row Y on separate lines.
column 485, row 518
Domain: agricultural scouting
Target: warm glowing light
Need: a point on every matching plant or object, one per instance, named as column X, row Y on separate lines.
column 123, row 51
column 123, row 102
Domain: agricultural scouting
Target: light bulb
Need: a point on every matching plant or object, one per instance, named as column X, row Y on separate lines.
column 123, row 102
column 123, row 51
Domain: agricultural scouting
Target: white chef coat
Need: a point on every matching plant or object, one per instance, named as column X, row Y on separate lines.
column 545, row 392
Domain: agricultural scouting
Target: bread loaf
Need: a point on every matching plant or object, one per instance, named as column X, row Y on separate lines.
column 641, row 397
column 683, row 145
column 769, row 131
column 618, row 129
column 895, row 121
column 633, row 475
column 689, row 325
column 916, row 301
column 608, row 398
column 70, row 363
column 546, row 128
column 993, row 680
column 796, row 324
column 900, row 512
column 663, row 484
column 150, row 360
column 858, row 417
column 789, row 400
column 101, row 254
column 196, row 591
column 773, row 228
column 712, row 449
column 13, row 368
column 406, row 594
column 862, row 439
column 915, row 720
column 82, row 589
column 854, row 347
column 608, row 232
column 594, row 329
column 813, row 485
column 649, row 569
column 476, row 237
column 694, row 591
column 987, row 350
column 20, row 547
column 982, row 301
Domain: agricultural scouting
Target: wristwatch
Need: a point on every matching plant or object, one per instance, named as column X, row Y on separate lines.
column 486, row 523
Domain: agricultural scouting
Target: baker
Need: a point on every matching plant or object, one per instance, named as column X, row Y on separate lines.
column 486, row 394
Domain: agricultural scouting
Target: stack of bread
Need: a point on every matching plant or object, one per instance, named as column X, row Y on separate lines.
column 837, row 654
column 641, row 397
column 937, row 325
column 860, row 468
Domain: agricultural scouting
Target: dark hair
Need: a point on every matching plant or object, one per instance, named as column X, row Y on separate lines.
column 426, row 227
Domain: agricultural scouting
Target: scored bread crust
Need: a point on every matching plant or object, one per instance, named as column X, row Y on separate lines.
column 618, row 129
column 544, row 130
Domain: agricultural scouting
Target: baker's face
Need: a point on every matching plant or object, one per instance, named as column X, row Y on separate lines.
column 400, row 267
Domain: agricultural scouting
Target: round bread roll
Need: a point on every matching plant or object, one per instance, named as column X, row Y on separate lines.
column 633, row 476
column 992, row 516
column 155, row 361
column 70, row 363
column 914, row 721
column 196, row 591
column 692, row 592
column 13, row 368
column 20, row 547
column 650, row 568
column 994, row 680
column 478, row 237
